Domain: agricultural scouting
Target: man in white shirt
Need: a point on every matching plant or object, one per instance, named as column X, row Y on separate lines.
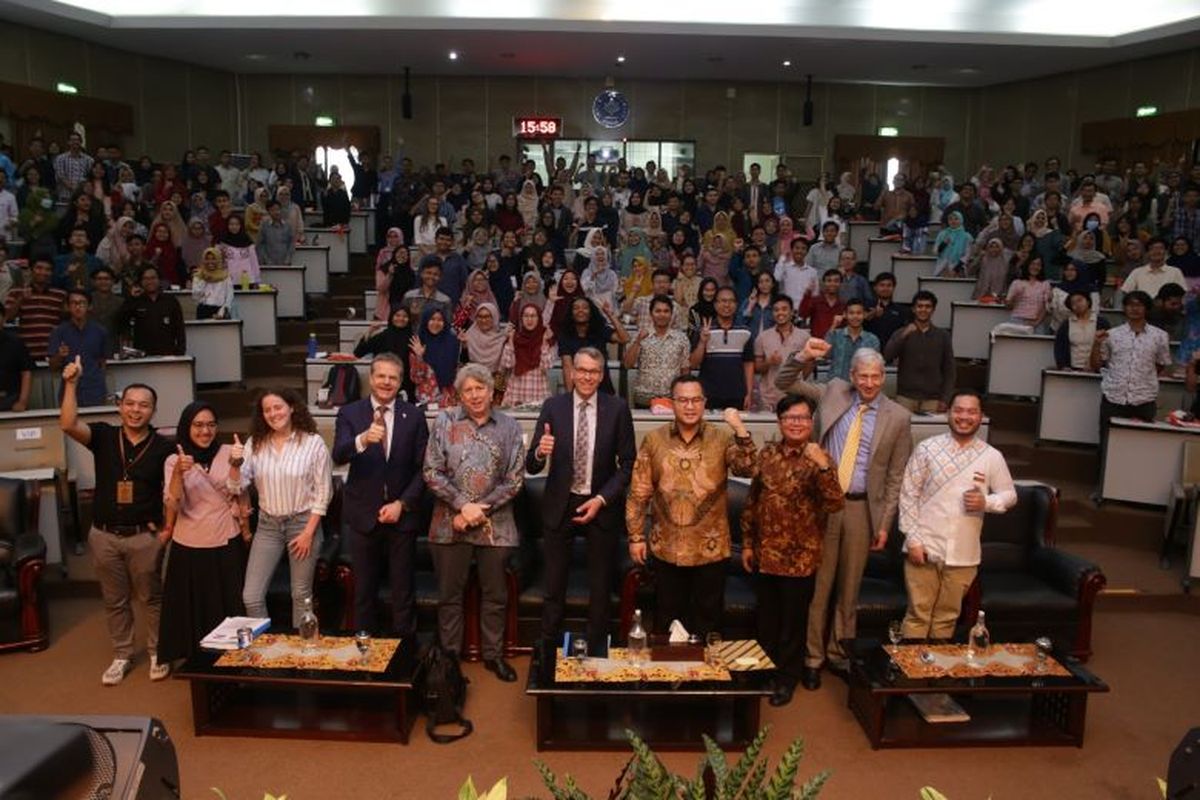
column 795, row 278
column 950, row 482
column 1156, row 273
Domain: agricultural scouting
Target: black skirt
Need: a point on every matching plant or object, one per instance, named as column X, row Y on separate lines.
column 203, row 585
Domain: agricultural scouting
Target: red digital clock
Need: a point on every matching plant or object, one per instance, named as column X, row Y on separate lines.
column 537, row 127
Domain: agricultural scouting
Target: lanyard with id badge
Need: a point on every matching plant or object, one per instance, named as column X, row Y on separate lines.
column 125, row 485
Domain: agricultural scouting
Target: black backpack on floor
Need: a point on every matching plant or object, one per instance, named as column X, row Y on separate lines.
column 441, row 692
column 343, row 384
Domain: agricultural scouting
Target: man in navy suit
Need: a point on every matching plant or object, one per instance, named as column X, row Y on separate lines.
column 588, row 437
column 383, row 440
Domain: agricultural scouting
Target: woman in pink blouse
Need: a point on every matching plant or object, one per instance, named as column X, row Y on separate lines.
column 1029, row 296
column 207, row 563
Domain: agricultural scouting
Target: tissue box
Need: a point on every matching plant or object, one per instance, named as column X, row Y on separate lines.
column 661, row 649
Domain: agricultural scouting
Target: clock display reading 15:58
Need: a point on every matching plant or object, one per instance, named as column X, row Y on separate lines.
column 537, row 127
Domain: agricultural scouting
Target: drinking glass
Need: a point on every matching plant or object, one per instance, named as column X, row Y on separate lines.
column 895, row 634
column 362, row 640
column 1044, row 646
column 579, row 649
column 713, row 645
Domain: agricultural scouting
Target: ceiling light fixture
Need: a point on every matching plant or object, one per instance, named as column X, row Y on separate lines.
column 454, row 55
column 888, row 130
column 1147, row 111
column 787, row 63
column 620, row 59
column 255, row 57
column 66, row 88
column 324, row 122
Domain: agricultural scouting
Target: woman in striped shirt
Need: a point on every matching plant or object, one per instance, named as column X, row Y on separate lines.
column 289, row 465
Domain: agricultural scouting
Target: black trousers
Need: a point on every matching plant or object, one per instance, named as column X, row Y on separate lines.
column 601, row 556
column 369, row 554
column 783, row 620
column 693, row 595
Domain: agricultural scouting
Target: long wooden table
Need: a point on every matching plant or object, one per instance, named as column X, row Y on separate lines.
column 1141, row 459
column 256, row 308
column 1070, row 407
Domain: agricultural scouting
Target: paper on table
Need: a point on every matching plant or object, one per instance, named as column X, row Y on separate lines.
column 224, row 636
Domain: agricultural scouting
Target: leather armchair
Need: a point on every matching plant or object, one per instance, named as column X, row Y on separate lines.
column 24, row 613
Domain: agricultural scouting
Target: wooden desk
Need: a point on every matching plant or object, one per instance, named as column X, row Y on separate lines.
column 1070, row 407
column 288, row 282
column 879, row 255
column 860, row 237
column 358, row 231
column 971, row 326
column 909, row 269
column 948, row 292
column 315, row 260
column 216, row 344
column 1015, row 364
column 315, row 370
column 34, row 440
column 350, row 331
column 339, row 247
column 256, row 308
column 1142, row 459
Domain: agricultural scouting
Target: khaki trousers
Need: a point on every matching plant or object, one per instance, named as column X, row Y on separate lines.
column 843, row 559
column 128, row 569
column 914, row 405
column 935, row 595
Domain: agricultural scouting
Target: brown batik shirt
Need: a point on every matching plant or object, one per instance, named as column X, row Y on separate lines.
column 784, row 516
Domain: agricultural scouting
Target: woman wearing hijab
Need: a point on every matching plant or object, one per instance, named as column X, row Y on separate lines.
column 991, row 271
column 1187, row 261
column 392, row 281
column 1089, row 260
column 1003, row 229
column 846, row 191
column 703, row 309
column 715, row 256
column 392, row 239
column 558, row 310
column 532, row 292
column 952, row 246
column 238, row 250
column 635, row 247
column 1048, row 242
column 207, row 564
column 639, row 283
column 588, row 326
column 529, row 352
column 599, row 281
column 168, row 214
column 291, row 212
column 212, row 286
column 194, row 244
column 163, row 254
column 942, row 197
column 634, row 214
column 433, row 360
column 485, row 340
column 475, row 293
column 479, row 247
column 113, row 249
column 527, row 204
column 256, row 212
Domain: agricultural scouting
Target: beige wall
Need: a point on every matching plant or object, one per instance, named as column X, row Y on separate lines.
column 177, row 106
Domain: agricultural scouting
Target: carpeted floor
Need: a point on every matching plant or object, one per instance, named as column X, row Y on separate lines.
column 1149, row 660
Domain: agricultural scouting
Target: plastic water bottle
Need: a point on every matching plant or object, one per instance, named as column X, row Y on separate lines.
column 312, row 345
column 309, row 632
column 637, row 639
column 245, row 281
column 979, row 642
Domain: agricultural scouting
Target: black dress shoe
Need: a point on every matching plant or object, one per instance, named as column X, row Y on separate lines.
column 501, row 669
column 810, row 679
column 782, row 694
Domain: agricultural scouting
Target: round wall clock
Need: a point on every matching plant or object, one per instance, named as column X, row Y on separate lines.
column 610, row 109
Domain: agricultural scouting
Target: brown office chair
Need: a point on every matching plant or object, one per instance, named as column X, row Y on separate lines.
column 24, row 615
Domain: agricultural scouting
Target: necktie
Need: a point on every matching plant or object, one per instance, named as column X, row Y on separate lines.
column 381, row 419
column 580, row 461
column 850, row 449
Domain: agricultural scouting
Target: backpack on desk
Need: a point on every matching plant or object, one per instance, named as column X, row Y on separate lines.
column 343, row 384
column 440, row 689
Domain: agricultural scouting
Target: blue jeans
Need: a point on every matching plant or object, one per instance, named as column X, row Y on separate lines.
column 270, row 542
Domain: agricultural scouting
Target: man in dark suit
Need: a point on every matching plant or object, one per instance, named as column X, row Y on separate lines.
column 588, row 437
column 383, row 440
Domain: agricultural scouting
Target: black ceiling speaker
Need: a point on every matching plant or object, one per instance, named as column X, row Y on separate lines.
column 808, row 106
column 406, row 99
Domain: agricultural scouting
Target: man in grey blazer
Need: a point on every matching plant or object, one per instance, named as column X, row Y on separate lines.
column 868, row 437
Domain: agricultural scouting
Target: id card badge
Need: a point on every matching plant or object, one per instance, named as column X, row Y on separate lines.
column 124, row 492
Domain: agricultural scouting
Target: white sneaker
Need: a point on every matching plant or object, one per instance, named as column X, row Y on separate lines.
column 116, row 671
column 158, row 671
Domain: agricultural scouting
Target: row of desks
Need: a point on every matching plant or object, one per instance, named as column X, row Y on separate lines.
column 257, row 309
column 359, row 236
column 173, row 378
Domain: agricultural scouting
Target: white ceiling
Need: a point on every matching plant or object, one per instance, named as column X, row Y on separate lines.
column 955, row 43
